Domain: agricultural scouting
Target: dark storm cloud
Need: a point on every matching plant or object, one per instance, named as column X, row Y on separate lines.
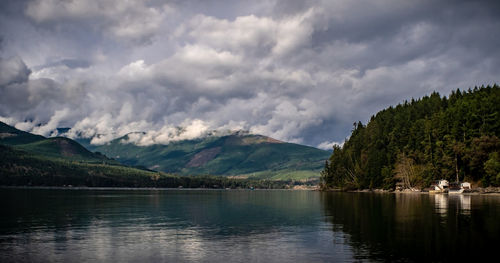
column 444, row 25
column 300, row 71
column 13, row 70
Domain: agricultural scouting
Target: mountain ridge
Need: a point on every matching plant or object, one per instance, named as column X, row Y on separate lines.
column 54, row 147
column 236, row 154
column 32, row 160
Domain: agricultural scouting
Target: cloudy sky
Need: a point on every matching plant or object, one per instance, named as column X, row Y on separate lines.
column 300, row 71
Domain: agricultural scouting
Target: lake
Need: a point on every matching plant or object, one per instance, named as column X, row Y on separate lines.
column 65, row 225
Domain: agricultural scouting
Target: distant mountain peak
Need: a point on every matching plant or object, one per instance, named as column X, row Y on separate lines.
column 226, row 153
column 149, row 138
column 249, row 139
column 221, row 153
column 54, row 147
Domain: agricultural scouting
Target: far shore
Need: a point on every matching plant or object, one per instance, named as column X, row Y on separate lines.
column 309, row 188
column 492, row 191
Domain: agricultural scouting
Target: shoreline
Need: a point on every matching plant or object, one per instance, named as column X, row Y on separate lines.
column 475, row 191
column 491, row 191
column 144, row 188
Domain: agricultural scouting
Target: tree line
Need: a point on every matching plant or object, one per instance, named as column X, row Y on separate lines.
column 420, row 141
column 20, row 168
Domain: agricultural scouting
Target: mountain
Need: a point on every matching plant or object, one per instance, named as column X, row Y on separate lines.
column 417, row 142
column 238, row 154
column 12, row 136
column 32, row 160
column 61, row 147
column 57, row 147
column 28, row 159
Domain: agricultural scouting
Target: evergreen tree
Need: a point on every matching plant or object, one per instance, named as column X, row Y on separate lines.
column 427, row 139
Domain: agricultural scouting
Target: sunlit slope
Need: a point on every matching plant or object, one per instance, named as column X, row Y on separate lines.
column 233, row 155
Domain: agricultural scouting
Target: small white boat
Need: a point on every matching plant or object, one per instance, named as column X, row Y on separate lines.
column 458, row 188
column 440, row 187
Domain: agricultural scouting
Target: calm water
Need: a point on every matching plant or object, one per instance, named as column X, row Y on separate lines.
column 41, row 225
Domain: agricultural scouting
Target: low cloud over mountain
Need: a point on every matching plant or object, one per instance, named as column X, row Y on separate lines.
column 298, row 71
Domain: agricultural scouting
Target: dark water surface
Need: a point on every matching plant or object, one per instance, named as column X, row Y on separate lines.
column 45, row 225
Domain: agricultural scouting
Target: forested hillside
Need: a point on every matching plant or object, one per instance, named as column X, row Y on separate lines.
column 423, row 140
column 237, row 154
column 21, row 168
column 32, row 160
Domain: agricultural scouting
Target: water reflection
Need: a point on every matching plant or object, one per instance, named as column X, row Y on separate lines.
column 415, row 227
column 440, row 204
column 177, row 226
column 244, row 226
column 461, row 204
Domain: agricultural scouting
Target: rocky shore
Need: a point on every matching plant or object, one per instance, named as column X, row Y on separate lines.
column 476, row 190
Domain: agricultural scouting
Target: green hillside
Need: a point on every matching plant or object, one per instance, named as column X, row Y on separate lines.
column 12, row 136
column 32, row 160
column 247, row 156
column 61, row 147
column 421, row 141
column 58, row 147
column 20, row 168
column 238, row 155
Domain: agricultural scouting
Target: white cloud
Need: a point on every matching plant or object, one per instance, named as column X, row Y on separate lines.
column 251, row 35
column 133, row 20
column 328, row 145
column 8, row 120
column 189, row 129
column 245, row 33
column 25, row 126
column 53, row 123
column 134, row 70
column 293, row 33
column 297, row 71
